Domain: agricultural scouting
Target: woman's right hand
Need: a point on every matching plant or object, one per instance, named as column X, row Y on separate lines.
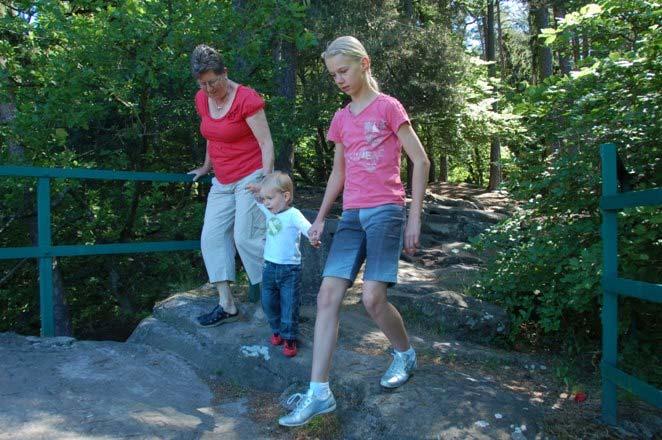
column 254, row 188
column 198, row 172
column 315, row 232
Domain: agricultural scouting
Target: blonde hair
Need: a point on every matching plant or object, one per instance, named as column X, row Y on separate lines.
column 350, row 47
column 278, row 181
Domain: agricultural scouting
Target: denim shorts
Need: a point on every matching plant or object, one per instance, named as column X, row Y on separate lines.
column 373, row 235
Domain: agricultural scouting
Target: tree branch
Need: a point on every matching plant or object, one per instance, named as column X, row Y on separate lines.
column 13, row 271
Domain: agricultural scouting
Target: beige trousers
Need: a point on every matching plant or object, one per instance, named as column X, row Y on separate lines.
column 233, row 222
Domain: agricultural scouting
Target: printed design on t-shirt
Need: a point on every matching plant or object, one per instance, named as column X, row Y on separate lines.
column 274, row 226
column 375, row 132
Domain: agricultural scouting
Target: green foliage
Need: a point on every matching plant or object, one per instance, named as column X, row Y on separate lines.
column 547, row 258
column 107, row 85
column 418, row 62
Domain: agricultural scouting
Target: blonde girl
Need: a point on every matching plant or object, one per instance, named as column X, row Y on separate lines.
column 369, row 135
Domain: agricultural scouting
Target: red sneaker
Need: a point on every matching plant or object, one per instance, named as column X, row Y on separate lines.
column 290, row 348
column 276, row 339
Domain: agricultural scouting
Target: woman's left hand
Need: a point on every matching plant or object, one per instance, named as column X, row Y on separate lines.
column 412, row 235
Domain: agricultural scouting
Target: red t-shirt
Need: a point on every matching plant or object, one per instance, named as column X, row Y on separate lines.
column 233, row 148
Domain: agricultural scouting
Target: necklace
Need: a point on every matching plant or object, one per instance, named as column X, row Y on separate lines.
column 220, row 107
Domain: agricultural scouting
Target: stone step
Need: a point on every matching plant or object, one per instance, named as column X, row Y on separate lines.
column 458, row 228
column 454, row 314
column 436, row 199
column 457, row 277
column 463, row 214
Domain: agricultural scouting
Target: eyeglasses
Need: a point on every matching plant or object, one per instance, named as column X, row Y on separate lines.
column 211, row 83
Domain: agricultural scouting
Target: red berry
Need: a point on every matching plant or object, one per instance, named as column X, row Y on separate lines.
column 580, row 397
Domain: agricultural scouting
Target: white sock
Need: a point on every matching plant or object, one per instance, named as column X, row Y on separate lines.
column 408, row 353
column 320, row 390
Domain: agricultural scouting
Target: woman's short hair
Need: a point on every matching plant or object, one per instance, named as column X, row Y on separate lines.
column 205, row 58
column 278, row 181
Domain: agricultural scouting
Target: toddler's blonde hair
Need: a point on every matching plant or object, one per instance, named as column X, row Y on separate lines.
column 278, row 181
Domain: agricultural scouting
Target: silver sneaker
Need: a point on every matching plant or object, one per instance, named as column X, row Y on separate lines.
column 399, row 371
column 308, row 406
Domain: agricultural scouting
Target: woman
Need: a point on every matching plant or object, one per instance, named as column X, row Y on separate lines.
column 240, row 151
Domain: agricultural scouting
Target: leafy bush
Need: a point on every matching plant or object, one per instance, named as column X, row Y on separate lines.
column 547, row 259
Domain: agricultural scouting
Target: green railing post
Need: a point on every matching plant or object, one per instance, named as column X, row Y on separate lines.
column 46, row 261
column 254, row 291
column 610, row 269
column 611, row 202
column 45, row 251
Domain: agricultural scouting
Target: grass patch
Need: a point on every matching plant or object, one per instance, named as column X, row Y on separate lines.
column 418, row 322
column 325, row 427
column 224, row 390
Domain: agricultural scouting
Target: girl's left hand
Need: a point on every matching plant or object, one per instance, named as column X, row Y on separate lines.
column 412, row 235
column 315, row 233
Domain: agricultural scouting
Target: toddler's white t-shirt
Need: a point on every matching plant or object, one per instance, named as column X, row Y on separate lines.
column 283, row 235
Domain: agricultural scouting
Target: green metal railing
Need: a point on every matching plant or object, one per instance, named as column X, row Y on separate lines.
column 45, row 251
column 611, row 202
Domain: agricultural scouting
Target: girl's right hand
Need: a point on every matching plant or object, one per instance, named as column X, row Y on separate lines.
column 315, row 232
column 197, row 173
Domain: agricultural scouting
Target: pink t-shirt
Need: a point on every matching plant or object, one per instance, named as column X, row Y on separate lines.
column 372, row 152
column 233, row 148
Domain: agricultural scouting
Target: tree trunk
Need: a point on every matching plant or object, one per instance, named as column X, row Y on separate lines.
column 575, row 49
column 321, row 168
column 408, row 14
column 545, row 53
column 542, row 55
column 495, row 145
column 433, row 172
column 115, row 286
column 586, row 46
column 478, row 167
column 481, row 24
column 495, row 164
column 241, row 66
column 432, row 177
column 564, row 60
column 284, row 54
column 502, row 58
column 490, row 46
column 408, row 9
column 62, row 316
column 443, row 167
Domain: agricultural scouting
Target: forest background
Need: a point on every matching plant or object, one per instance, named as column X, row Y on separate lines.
column 510, row 94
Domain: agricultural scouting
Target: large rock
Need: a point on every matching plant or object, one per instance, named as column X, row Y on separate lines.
column 60, row 388
column 313, row 259
column 456, row 223
column 454, row 314
column 447, row 404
